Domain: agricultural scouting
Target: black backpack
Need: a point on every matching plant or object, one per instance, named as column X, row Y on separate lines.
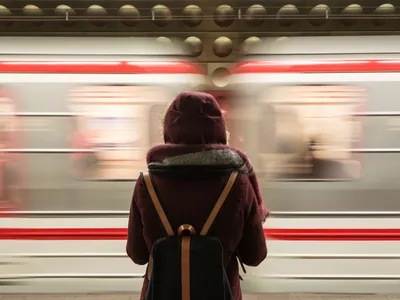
column 187, row 266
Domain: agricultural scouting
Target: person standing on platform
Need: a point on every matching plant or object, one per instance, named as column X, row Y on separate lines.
column 189, row 172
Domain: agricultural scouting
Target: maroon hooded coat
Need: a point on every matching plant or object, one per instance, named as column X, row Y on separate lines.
column 195, row 137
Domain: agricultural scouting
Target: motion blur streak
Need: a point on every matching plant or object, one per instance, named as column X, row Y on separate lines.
column 122, row 67
column 331, row 234
column 319, row 117
column 319, row 66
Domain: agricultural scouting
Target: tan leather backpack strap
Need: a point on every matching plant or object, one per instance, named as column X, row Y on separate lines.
column 157, row 204
column 220, row 202
column 185, row 267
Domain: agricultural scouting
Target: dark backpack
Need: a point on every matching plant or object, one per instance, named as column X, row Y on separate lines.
column 187, row 266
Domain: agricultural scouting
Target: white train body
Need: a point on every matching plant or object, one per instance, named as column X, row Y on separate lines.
column 327, row 234
column 61, row 237
column 319, row 119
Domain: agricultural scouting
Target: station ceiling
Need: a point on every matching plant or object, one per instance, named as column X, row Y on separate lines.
column 202, row 17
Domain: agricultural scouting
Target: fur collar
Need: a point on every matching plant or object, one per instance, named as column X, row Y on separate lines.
column 215, row 157
column 169, row 155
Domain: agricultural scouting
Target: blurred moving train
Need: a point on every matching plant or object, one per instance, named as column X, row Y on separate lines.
column 86, row 108
column 318, row 116
column 77, row 116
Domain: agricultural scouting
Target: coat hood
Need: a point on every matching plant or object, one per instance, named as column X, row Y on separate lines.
column 194, row 118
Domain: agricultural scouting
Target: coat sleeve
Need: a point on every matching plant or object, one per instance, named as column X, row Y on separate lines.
column 252, row 248
column 136, row 247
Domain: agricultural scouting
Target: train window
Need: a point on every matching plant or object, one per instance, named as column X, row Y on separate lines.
column 10, row 162
column 233, row 134
column 309, row 132
column 237, row 119
column 110, row 132
column 157, row 113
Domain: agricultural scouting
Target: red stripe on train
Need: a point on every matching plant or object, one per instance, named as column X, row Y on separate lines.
column 118, row 67
column 390, row 234
column 63, row 234
column 318, row 66
column 332, row 234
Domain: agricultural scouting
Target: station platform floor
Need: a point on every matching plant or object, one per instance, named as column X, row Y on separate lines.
column 270, row 296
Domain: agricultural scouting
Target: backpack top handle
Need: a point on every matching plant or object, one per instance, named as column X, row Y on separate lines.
column 186, row 229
